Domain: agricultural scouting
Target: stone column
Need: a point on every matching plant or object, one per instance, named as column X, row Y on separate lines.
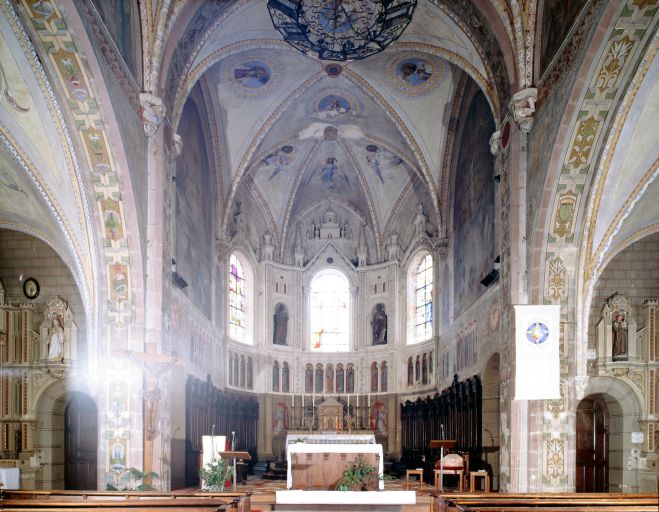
column 509, row 147
column 155, row 450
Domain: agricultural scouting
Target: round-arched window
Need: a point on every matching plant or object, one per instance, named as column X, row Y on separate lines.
column 329, row 312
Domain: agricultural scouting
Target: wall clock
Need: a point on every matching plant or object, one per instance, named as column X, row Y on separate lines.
column 31, row 288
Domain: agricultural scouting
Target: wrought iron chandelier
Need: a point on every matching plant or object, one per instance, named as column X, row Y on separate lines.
column 341, row 29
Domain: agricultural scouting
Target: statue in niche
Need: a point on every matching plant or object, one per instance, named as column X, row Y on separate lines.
column 329, row 379
column 320, row 378
column 56, row 338
column 379, row 325
column 393, row 248
column 620, row 339
column 280, row 320
column 308, row 379
column 420, row 221
column 350, row 379
column 268, row 248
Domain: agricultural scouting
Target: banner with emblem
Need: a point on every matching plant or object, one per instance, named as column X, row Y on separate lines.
column 538, row 366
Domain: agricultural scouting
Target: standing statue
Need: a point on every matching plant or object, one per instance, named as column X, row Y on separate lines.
column 619, row 327
column 379, row 325
column 56, row 339
column 280, row 330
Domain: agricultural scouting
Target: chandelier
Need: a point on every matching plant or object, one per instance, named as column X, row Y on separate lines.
column 341, row 29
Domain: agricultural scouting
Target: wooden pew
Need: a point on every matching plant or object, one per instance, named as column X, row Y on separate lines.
column 569, row 502
column 125, row 501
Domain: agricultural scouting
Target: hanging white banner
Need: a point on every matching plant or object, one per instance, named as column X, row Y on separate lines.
column 537, row 363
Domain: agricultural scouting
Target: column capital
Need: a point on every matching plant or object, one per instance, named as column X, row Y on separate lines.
column 522, row 107
column 153, row 112
column 495, row 143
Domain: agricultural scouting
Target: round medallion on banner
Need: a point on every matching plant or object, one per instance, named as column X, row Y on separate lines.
column 537, row 333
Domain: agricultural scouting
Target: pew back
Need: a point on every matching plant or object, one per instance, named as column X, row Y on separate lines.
column 569, row 502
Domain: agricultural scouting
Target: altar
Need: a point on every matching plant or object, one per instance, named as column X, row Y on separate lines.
column 317, row 461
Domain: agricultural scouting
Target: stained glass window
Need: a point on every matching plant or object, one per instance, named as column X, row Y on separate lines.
column 423, row 300
column 330, row 312
column 236, row 299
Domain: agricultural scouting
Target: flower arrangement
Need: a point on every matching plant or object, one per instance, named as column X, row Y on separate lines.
column 215, row 474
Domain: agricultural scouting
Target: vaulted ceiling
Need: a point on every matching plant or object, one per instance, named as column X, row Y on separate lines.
column 372, row 135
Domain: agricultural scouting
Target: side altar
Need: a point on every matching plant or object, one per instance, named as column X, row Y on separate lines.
column 317, row 461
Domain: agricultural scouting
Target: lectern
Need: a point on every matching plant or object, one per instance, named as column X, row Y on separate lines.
column 442, row 444
column 235, row 456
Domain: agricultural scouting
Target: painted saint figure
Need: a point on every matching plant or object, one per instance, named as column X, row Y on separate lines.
column 56, row 339
column 619, row 328
column 379, row 325
column 280, row 330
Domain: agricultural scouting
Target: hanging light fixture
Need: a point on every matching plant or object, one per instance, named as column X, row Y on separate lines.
column 341, row 29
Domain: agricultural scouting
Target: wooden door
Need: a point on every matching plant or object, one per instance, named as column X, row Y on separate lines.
column 80, row 442
column 592, row 446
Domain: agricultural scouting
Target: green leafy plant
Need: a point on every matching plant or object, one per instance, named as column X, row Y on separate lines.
column 215, row 474
column 361, row 476
column 135, row 476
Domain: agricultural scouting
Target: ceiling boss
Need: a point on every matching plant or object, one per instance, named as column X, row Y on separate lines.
column 341, row 30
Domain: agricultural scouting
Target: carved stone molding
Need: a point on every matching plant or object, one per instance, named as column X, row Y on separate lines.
column 522, row 106
column 620, row 372
column 222, row 246
column 441, row 246
column 495, row 143
column 580, row 384
column 153, row 112
column 177, row 144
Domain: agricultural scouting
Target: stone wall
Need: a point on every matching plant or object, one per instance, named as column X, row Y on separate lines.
column 634, row 272
column 24, row 255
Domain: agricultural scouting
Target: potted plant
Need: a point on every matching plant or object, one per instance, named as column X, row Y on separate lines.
column 215, row 474
column 361, row 476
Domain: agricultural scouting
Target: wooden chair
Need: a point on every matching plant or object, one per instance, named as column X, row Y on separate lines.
column 451, row 464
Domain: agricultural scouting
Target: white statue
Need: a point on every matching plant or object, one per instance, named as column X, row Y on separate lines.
column 56, row 339
column 420, row 221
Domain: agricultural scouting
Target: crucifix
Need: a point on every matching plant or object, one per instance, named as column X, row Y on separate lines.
column 153, row 366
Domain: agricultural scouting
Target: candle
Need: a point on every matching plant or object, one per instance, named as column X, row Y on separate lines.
column 369, row 399
column 293, row 400
column 313, row 400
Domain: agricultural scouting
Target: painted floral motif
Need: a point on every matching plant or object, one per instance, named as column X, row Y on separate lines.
column 583, row 142
column 614, row 62
column 556, row 275
column 555, row 464
column 112, row 219
column 68, row 67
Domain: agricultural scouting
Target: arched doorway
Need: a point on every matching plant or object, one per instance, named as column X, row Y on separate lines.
column 491, row 417
column 592, row 445
column 80, row 442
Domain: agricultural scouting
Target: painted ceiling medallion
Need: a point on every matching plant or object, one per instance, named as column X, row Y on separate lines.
column 341, row 30
column 249, row 75
column 334, row 105
column 413, row 74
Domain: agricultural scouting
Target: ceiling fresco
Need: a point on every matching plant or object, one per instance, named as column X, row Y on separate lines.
column 297, row 131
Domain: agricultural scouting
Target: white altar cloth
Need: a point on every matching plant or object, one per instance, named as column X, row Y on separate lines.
column 10, row 478
column 345, row 497
column 332, row 448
